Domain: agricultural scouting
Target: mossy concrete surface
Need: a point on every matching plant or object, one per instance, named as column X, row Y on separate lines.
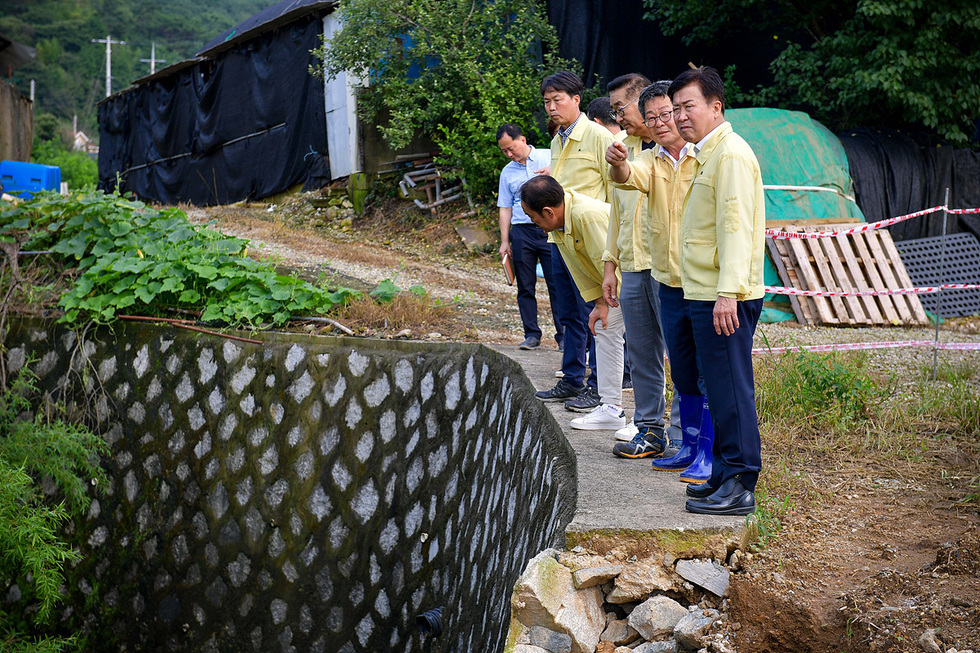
column 305, row 494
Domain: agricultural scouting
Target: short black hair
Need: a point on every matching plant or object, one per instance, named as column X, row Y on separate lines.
column 563, row 80
column 632, row 82
column 510, row 129
column 541, row 191
column 707, row 78
column 600, row 109
column 655, row 90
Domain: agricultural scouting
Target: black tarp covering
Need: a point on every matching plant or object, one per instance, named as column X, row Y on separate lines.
column 894, row 175
column 274, row 16
column 244, row 125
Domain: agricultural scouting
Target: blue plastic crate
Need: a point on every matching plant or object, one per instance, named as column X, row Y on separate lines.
column 25, row 179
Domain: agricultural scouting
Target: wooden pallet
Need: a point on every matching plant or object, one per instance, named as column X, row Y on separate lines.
column 858, row 262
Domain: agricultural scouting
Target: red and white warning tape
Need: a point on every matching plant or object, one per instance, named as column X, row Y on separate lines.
column 781, row 290
column 852, row 346
column 871, row 226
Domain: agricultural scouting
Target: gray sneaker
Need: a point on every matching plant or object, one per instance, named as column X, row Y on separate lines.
column 563, row 390
column 585, row 401
column 530, row 343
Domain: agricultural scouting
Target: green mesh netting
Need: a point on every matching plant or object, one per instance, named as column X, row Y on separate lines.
column 794, row 150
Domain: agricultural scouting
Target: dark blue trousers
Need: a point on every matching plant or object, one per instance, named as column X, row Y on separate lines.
column 529, row 245
column 729, row 382
column 573, row 312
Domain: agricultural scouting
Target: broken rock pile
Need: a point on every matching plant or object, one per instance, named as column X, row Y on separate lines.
column 575, row 602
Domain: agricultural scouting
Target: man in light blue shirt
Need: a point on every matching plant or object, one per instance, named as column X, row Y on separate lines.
column 524, row 243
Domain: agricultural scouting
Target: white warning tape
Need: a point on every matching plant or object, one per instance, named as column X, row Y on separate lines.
column 853, row 346
column 781, row 290
column 871, row 226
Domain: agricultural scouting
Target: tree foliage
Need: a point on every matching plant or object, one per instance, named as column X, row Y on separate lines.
column 851, row 62
column 454, row 70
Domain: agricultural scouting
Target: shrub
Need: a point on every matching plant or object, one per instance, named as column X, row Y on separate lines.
column 826, row 390
column 32, row 550
column 77, row 169
column 132, row 258
column 455, row 70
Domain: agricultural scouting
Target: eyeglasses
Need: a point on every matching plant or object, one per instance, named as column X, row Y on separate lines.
column 663, row 117
column 621, row 111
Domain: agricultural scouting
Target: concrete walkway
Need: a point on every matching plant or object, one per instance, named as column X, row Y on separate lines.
column 615, row 493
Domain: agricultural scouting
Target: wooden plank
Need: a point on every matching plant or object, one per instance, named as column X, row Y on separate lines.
column 810, row 280
column 860, row 280
column 807, row 305
column 877, row 283
column 905, row 314
column 779, row 263
column 895, row 260
column 853, row 304
column 827, row 280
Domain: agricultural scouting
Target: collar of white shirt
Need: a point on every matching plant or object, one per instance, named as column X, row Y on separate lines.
column 687, row 150
column 700, row 144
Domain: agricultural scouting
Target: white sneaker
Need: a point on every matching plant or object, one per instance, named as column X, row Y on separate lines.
column 626, row 433
column 602, row 418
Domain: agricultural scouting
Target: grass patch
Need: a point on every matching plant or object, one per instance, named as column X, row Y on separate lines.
column 973, row 494
column 403, row 311
column 954, row 405
column 828, row 391
column 950, row 371
column 765, row 524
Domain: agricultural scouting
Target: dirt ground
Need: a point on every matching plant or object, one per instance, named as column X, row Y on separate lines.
column 895, row 553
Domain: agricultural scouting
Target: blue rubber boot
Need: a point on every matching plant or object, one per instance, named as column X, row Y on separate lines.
column 690, row 410
column 699, row 471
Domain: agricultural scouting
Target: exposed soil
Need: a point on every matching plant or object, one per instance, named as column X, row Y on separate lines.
column 894, row 553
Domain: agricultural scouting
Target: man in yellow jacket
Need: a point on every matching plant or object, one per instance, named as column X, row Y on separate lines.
column 664, row 174
column 722, row 255
column 577, row 163
column 578, row 224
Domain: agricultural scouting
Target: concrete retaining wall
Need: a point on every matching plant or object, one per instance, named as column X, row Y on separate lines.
column 306, row 494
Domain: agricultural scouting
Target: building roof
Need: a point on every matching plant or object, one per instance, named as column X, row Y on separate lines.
column 264, row 21
column 13, row 55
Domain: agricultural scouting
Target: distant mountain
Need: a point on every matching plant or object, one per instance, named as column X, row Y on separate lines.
column 69, row 70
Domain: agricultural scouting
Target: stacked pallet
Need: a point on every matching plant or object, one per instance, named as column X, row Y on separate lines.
column 855, row 262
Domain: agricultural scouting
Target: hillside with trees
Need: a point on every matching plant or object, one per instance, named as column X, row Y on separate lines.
column 69, row 70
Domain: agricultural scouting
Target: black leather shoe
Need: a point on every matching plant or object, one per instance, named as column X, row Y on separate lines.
column 732, row 498
column 699, row 490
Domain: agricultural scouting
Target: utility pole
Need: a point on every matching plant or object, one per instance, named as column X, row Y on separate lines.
column 108, row 61
column 153, row 61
